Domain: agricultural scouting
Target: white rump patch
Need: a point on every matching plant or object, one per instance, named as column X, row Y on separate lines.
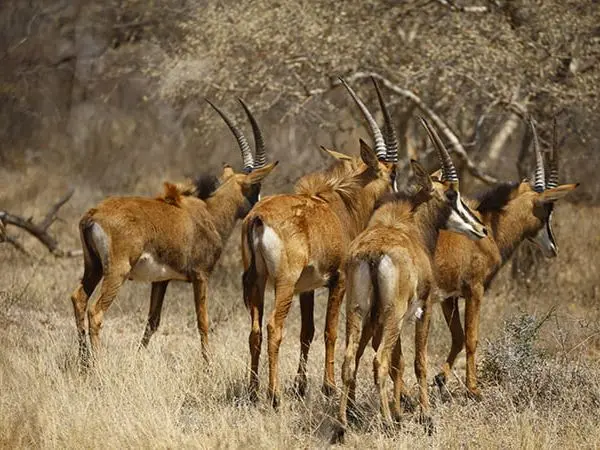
column 101, row 242
column 387, row 277
column 149, row 269
column 360, row 288
column 270, row 246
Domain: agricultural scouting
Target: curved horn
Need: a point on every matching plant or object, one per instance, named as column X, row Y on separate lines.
column 240, row 138
column 260, row 156
column 539, row 183
column 552, row 176
column 389, row 135
column 380, row 148
column 449, row 172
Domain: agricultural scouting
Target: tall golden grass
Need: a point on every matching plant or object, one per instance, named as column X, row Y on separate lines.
column 167, row 397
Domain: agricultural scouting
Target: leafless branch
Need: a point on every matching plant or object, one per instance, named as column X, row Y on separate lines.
column 454, row 7
column 51, row 216
column 455, row 144
column 16, row 244
column 135, row 23
column 40, row 231
column 517, row 112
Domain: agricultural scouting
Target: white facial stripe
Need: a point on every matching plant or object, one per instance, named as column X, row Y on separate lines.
column 544, row 239
column 465, row 211
column 462, row 220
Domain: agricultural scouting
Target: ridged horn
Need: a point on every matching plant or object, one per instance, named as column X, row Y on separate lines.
column 552, row 175
column 260, row 155
column 389, row 134
column 449, row 172
column 380, row 148
column 539, row 180
column 247, row 159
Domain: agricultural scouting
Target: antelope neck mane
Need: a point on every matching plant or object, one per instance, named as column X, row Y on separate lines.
column 495, row 198
column 337, row 179
column 400, row 199
column 205, row 185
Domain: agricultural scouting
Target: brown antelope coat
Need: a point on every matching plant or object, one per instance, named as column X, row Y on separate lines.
column 298, row 242
column 465, row 268
column 390, row 277
column 177, row 236
column 513, row 213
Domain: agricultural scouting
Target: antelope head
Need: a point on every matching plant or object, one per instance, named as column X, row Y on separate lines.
column 382, row 159
column 444, row 185
column 543, row 191
column 246, row 183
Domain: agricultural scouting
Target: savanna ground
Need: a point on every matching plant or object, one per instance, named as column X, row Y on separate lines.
column 538, row 363
column 107, row 99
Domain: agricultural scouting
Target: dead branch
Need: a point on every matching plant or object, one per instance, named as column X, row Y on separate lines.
column 135, row 23
column 454, row 7
column 16, row 244
column 501, row 138
column 40, row 231
column 455, row 144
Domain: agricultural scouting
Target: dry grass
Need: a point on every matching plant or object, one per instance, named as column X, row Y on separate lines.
column 166, row 397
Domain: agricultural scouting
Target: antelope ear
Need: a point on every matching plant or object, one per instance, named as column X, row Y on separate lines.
column 257, row 175
column 437, row 175
column 421, row 175
column 554, row 194
column 337, row 155
column 227, row 172
column 368, row 156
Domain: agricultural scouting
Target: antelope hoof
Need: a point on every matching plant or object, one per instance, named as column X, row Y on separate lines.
column 274, row 400
column 407, row 403
column 300, row 386
column 207, row 358
column 339, row 435
column 440, row 380
column 474, row 394
column 352, row 413
column 427, row 422
column 397, row 417
column 253, row 394
column 328, row 389
column 389, row 428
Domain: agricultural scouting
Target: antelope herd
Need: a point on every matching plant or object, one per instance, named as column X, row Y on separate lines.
column 392, row 254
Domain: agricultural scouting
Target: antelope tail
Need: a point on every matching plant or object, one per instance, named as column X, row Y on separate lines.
column 93, row 267
column 249, row 278
column 376, row 303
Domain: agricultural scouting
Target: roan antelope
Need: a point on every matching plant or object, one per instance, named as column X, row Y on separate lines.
column 390, row 279
column 298, row 242
column 177, row 236
column 513, row 212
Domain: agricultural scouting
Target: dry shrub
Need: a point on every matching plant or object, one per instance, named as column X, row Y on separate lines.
column 531, row 377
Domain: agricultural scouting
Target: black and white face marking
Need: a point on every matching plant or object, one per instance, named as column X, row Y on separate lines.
column 394, row 176
column 544, row 238
column 462, row 220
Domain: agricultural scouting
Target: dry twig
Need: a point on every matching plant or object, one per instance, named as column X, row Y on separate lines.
column 40, row 231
